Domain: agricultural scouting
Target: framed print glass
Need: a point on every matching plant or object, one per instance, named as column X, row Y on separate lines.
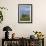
column 24, row 13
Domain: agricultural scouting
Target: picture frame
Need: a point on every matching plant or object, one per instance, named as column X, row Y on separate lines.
column 24, row 13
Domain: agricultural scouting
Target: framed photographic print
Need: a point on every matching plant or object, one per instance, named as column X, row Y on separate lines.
column 24, row 13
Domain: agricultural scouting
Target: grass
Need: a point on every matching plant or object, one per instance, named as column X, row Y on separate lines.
column 25, row 17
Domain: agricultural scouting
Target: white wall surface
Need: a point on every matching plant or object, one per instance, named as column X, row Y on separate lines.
column 11, row 18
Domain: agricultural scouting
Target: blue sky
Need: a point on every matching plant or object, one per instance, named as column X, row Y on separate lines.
column 24, row 9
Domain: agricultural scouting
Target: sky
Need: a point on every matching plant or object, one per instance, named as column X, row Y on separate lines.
column 24, row 9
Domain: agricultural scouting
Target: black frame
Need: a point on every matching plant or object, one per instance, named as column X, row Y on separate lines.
column 18, row 13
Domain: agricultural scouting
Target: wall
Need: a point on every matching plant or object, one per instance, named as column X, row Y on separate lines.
column 11, row 18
